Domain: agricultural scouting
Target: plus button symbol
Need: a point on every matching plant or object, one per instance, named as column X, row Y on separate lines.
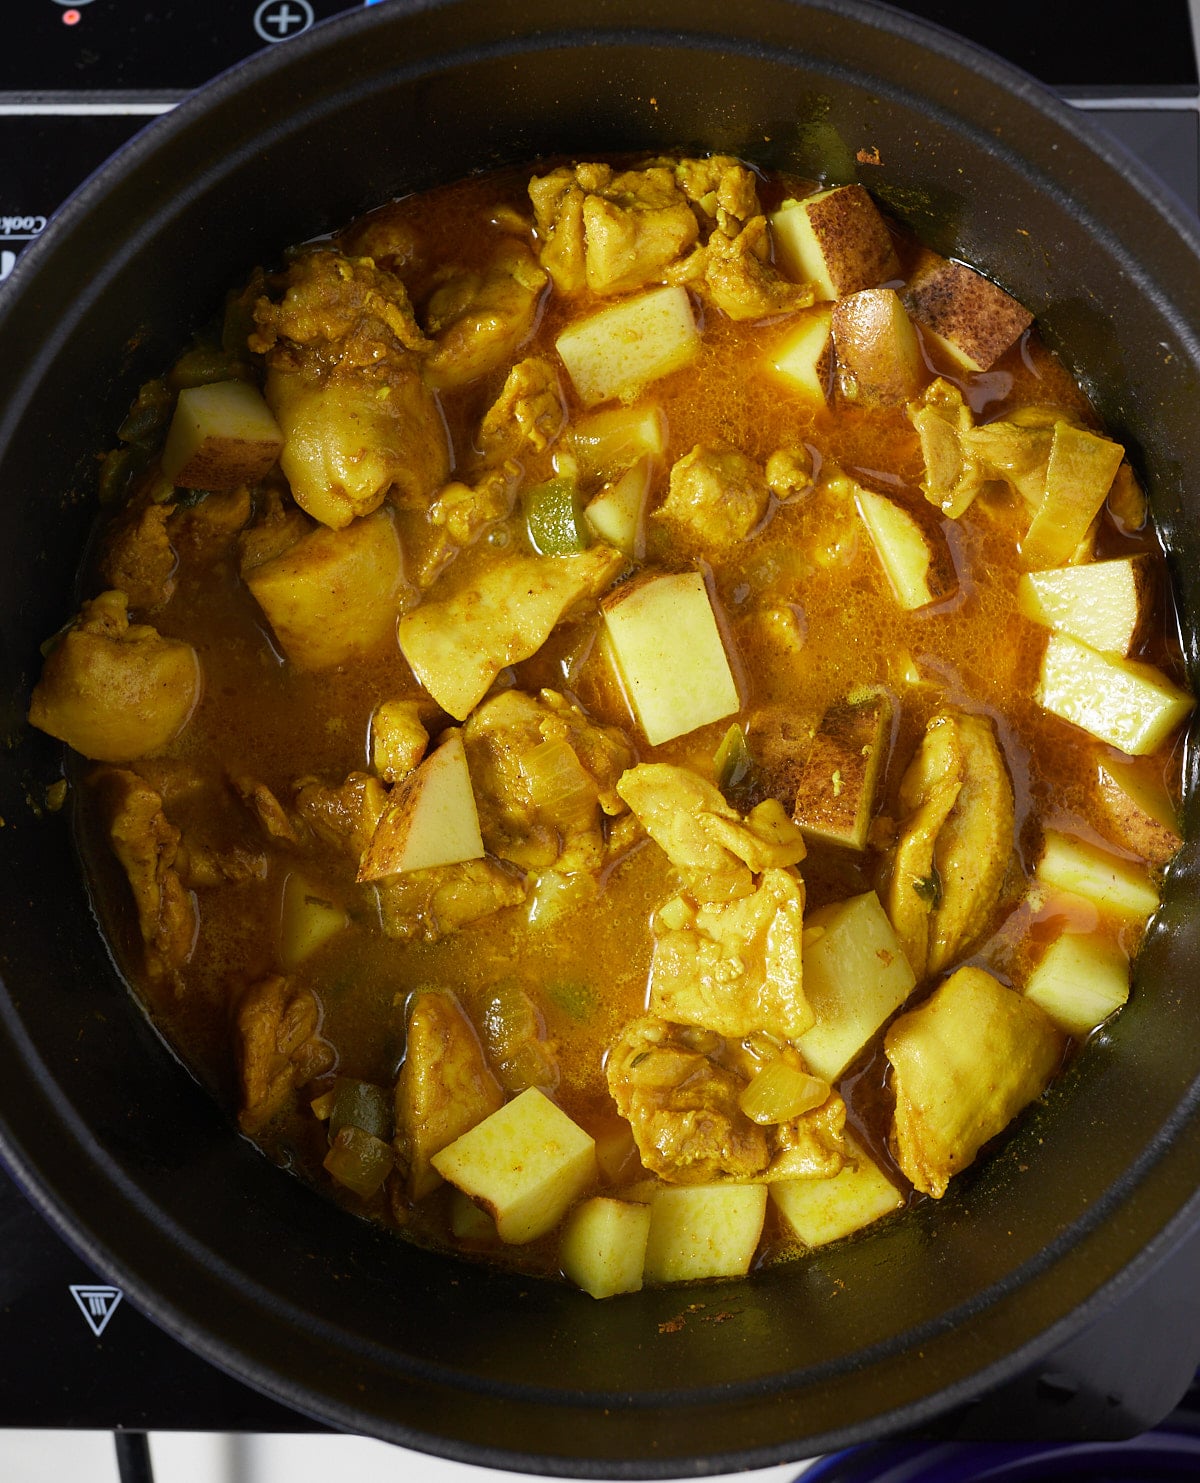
column 276, row 20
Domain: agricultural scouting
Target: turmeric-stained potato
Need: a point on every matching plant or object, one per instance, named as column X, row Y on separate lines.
column 333, row 595
column 115, row 690
column 221, row 436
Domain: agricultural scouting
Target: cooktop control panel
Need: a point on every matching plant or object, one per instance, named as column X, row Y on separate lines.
column 83, row 76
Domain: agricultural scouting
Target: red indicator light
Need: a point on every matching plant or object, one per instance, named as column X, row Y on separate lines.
column 71, row 17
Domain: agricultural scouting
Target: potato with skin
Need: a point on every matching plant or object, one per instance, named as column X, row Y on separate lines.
column 222, row 435
column 115, row 690
column 1140, row 809
column 836, row 240
column 878, row 355
column 430, row 819
column 966, row 315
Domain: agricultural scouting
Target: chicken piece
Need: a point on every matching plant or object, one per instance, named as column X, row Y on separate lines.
column 208, row 527
column 147, row 845
column 388, row 237
column 115, row 690
column 478, row 320
column 789, row 473
column 344, row 382
column 429, row 904
column 139, row 559
column 683, row 1106
column 960, row 458
column 458, row 644
column 337, row 311
column 811, row 1146
column 202, row 865
column 444, row 1087
column 734, row 966
column 272, row 817
column 953, row 475
column 955, row 842
column 964, row 1063
column 712, row 847
column 530, row 408
column 398, row 739
column 737, row 274
column 544, row 777
column 722, row 188
column 352, row 438
column 609, row 231
column 346, row 816
column 716, row 494
column 279, row 1048
column 461, row 513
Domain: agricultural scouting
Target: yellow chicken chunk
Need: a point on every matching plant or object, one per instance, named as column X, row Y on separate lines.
column 735, row 966
column 964, row 1064
column 115, row 690
column 458, row 644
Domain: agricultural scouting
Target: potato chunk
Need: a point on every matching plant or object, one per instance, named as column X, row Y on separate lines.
column 1141, row 810
column 966, row 315
column 115, row 690
column 527, row 1164
column 603, row 1246
column 965, row 1063
column 917, row 563
column 1120, row 887
column 669, row 654
column 334, row 595
column 836, row 240
column 704, row 1231
column 222, row 435
column 1102, row 603
column 804, row 357
column 620, row 349
column 855, row 976
column 1080, row 980
column 430, row 818
column 818, row 1211
column 1079, row 475
column 835, row 793
column 1130, row 705
column 309, row 920
column 878, row 356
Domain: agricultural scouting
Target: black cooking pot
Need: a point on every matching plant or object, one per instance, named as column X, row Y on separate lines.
column 130, row 1158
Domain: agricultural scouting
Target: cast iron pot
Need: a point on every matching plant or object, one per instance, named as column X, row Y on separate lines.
column 125, row 1153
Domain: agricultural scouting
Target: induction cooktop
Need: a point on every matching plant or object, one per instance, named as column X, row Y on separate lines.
column 77, row 80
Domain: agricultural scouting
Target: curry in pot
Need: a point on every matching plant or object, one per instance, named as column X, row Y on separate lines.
column 629, row 718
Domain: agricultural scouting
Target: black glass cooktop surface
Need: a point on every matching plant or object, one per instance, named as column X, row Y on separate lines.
column 76, row 82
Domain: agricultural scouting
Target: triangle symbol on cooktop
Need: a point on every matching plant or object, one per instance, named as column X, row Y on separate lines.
column 97, row 1303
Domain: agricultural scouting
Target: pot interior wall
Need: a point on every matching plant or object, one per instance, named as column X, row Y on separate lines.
column 267, row 1279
